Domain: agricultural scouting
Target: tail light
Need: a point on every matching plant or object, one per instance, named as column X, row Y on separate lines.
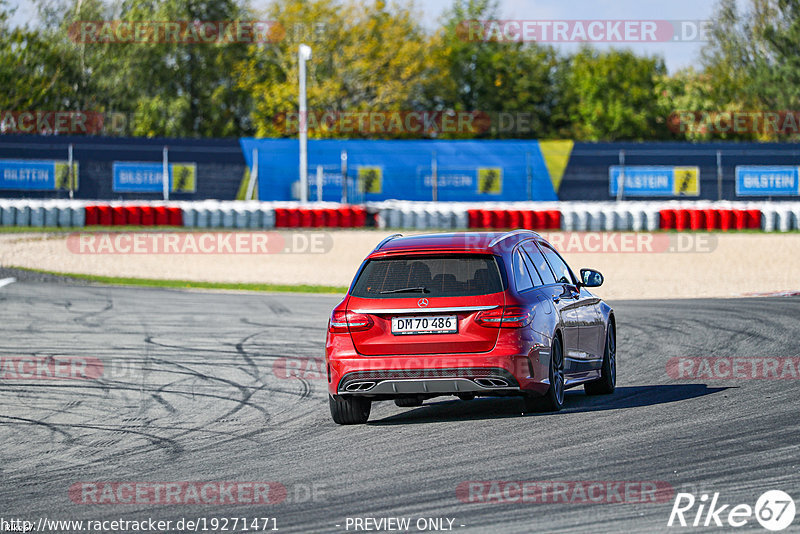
column 347, row 321
column 505, row 317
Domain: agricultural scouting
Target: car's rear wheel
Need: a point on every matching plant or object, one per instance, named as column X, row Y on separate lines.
column 408, row 402
column 553, row 400
column 349, row 410
column 608, row 372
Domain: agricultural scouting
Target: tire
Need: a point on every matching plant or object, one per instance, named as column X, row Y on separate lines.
column 607, row 382
column 349, row 410
column 408, row 402
column 553, row 400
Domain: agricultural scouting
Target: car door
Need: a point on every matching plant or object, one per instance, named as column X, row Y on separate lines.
column 562, row 299
column 581, row 362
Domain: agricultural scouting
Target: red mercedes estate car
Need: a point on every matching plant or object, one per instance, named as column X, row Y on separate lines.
column 467, row 314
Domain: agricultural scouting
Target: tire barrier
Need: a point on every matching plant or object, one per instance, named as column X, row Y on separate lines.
column 715, row 219
column 341, row 217
column 42, row 213
column 541, row 216
column 591, row 216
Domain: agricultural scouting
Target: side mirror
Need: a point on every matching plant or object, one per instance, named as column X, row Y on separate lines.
column 591, row 278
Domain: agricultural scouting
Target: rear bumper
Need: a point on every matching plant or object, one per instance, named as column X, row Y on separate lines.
column 490, row 381
column 485, row 374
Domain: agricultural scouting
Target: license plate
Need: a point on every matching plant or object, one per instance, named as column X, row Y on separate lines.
column 425, row 324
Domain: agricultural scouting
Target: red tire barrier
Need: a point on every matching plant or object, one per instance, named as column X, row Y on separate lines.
column 345, row 218
column 726, row 220
column 359, row 217
column 711, row 219
column 148, row 216
column 331, row 218
column 118, row 216
column 553, row 219
column 473, row 218
column 161, row 216
column 739, row 219
column 105, row 217
column 486, row 219
column 527, row 220
column 134, row 215
column 514, row 219
column 281, row 217
column 499, row 219
column 681, row 220
column 293, row 218
column 753, row 220
column 306, row 218
column 92, row 216
column 174, row 216
column 666, row 219
column 318, row 218
column 539, row 220
column 697, row 219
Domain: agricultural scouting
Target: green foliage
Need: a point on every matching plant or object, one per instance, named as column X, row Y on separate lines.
column 612, row 95
column 378, row 56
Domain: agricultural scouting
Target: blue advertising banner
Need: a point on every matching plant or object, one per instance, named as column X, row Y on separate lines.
column 146, row 177
column 36, row 175
column 767, row 180
column 654, row 181
column 381, row 170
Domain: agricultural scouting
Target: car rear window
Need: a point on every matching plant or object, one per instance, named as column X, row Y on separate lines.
column 431, row 276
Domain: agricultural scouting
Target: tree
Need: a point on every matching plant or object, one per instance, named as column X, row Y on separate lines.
column 612, row 95
column 505, row 80
column 365, row 58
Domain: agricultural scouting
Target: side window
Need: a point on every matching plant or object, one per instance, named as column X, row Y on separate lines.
column 559, row 267
column 521, row 276
column 539, row 263
column 537, row 280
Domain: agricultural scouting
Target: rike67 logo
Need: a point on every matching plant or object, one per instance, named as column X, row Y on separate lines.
column 774, row 510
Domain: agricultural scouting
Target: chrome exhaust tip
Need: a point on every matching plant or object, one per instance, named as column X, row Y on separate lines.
column 491, row 382
column 359, row 386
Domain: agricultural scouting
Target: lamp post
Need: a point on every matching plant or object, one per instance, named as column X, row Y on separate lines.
column 303, row 55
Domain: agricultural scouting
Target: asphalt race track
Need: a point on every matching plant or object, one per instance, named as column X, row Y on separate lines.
column 195, row 386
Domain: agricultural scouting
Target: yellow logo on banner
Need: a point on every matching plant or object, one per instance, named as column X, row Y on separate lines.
column 490, row 180
column 686, row 181
column 63, row 178
column 370, row 179
column 184, row 177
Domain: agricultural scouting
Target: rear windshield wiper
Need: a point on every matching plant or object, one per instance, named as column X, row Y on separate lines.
column 418, row 289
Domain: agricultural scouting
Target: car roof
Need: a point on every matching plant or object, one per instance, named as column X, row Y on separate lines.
column 475, row 242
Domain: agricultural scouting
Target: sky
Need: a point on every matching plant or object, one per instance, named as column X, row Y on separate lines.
column 677, row 55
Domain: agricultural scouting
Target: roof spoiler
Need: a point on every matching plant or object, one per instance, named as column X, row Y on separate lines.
column 386, row 240
column 511, row 233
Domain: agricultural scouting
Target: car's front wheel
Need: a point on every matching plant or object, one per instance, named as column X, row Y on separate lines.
column 349, row 410
column 608, row 372
column 553, row 400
